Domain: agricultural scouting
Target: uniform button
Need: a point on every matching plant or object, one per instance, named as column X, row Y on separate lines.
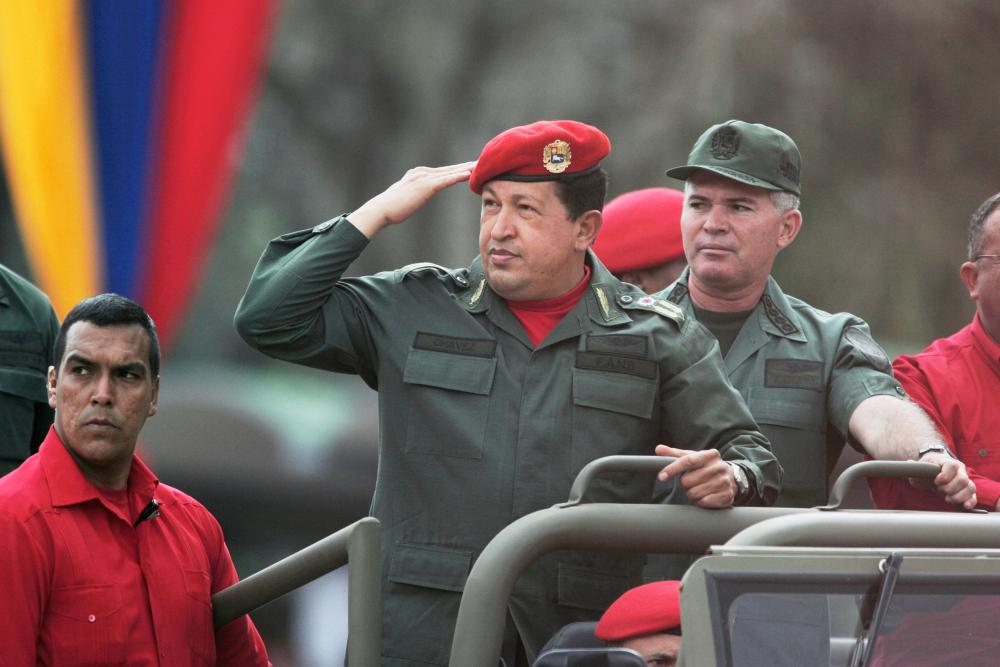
column 982, row 452
column 322, row 227
column 900, row 390
column 91, row 618
column 461, row 281
column 625, row 298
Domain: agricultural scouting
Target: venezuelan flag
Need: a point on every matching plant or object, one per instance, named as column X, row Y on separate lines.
column 118, row 126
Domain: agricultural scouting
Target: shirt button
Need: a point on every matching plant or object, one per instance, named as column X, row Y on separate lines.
column 91, row 618
column 322, row 227
column 625, row 298
column 982, row 452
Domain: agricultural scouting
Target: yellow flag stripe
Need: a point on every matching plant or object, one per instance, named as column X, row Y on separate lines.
column 45, row 132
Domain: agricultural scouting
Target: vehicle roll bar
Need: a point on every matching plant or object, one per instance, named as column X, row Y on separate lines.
column 359, row 545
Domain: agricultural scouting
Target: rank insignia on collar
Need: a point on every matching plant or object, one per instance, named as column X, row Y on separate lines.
column 557, row 156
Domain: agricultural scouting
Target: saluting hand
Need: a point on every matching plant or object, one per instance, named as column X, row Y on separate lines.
column 404, row 197
column 705, row 477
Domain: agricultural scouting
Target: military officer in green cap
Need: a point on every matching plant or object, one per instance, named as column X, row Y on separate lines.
column 28, row 328
column 812, row 380
column 499, row 381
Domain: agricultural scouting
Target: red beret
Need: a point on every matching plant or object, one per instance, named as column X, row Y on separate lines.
column 643, row 610
column 641, row 229
column 548, row 150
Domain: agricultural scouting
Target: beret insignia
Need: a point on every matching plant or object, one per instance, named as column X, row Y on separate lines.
column 557, row 157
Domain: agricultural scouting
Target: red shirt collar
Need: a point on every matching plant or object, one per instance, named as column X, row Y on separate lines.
column 68, row 486
column 984, row 342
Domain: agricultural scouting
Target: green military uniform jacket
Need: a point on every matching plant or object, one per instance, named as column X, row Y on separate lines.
column 802, row 373
column 28, row 330
column 479, row 428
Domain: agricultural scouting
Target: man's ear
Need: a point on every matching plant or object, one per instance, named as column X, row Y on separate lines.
column 50, row 386
column 970, row 276
column 588, row 225
column 791, row 223
column 156, row 396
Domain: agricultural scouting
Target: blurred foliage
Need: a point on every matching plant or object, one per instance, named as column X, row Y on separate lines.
column 892, row 104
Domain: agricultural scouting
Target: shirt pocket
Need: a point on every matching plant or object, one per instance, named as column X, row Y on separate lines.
column 425, row 584
column 794, row 420
column 201, row 631
column 587, row 588
column 87, row 624
column 447, row 398
column 612, row 414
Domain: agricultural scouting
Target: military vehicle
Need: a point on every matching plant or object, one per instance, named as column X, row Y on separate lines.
column 894, row 587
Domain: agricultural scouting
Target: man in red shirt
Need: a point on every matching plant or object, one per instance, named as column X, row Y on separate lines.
column 102, row 564
column 956, row 380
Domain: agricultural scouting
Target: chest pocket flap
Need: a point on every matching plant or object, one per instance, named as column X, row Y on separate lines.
column 458, row 372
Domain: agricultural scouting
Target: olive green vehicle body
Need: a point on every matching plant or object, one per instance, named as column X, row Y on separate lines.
column 828, row 551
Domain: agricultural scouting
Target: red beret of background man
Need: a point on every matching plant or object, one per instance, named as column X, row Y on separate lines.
column 101, row 563
column 640, row 238
column 646, row 619
column 498, row 382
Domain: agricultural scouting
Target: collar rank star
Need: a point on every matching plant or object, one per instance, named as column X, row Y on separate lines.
column 557, row 157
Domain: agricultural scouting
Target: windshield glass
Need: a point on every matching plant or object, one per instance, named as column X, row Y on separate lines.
column 920, row 630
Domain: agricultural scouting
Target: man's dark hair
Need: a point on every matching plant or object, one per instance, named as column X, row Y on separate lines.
column 978, row 221
column 583, row 193
column 109, row 310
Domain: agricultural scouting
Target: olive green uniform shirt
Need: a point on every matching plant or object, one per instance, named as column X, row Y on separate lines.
column 479, row 428
column 28, row 330
column 802, row 373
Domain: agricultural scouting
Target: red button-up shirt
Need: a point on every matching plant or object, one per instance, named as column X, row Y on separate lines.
column 957, row 382
column 81, row 586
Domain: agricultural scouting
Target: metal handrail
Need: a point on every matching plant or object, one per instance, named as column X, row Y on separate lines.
column 359, row 545
column 866, row 469
column 613, row 464
column 596, row 527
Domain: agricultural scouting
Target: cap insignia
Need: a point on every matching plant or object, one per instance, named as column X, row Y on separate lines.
column 725, row 143
column 557, row 157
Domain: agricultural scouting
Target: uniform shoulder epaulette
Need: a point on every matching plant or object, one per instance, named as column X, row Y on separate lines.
column 420, row 268
column 661, row 307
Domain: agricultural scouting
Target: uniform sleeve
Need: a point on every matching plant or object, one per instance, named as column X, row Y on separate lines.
column 43, row 413
column 237, row 643
column 701, row 410
column 861, row 369
column 296, row 307
column 25, row 589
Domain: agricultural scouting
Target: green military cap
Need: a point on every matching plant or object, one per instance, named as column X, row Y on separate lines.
column 750, row 153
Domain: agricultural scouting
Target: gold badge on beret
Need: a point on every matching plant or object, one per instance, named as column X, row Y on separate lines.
column 557, row 157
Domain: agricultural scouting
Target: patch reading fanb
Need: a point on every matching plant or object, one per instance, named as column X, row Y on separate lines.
column 725, row 143
column 777, row 317
column 794, row 374
column 613, row 363
column 625, row 344
column 868, row 347
column 469, row 347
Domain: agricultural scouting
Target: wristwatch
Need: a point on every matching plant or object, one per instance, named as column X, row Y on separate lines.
column 940, row 449
column 742, row 483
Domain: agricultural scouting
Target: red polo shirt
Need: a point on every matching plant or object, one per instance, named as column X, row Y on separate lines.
column 957, row 382
column 82, row 586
